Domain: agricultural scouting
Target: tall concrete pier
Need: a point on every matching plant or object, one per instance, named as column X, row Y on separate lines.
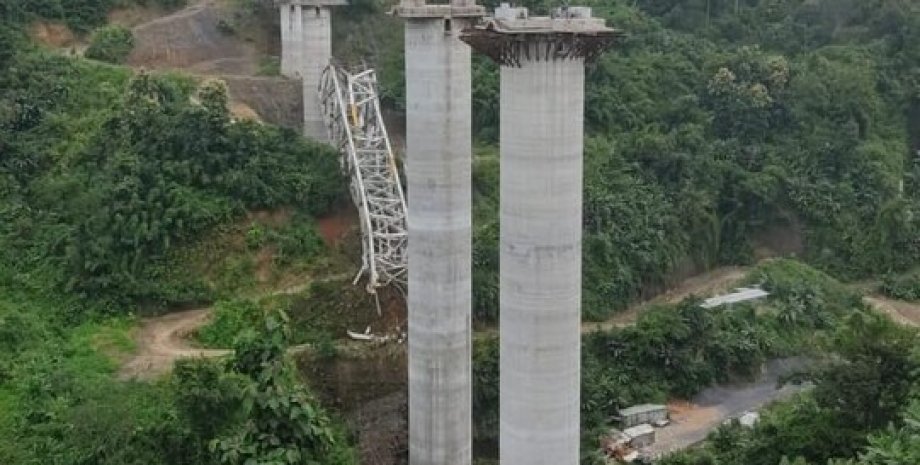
column 438, row 172
column 306, row 48
column 542, row 105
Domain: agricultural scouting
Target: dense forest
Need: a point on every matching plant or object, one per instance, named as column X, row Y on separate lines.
column 719, row 132
column 715, row 122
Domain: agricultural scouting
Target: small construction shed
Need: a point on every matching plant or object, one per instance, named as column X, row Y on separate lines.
column 639, row 414
column 640, row 436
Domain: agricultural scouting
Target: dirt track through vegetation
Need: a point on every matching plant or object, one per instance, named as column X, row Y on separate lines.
column 706, row 284
column 164, row 339
column 906, row 313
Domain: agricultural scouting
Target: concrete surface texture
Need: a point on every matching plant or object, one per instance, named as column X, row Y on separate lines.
column 438, row 168
column 542, row 142
column 291, row 40
column 317, row 51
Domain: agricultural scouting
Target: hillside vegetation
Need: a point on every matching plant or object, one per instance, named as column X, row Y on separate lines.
column 714, row 123
column 719, row 132
column 112, row 183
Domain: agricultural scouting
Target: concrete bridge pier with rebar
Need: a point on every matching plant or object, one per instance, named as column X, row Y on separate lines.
column 542, row 63
column 306, row 48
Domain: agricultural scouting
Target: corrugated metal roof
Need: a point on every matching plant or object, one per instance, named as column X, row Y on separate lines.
column 643, row 408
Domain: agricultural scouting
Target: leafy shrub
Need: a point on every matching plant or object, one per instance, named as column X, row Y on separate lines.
column 8, row 43
column 231, row 319
column 284, row 425
column 801, row 292
column 111, row 44
column 903, row 287
column 207, row 398
column 164, row 168
column 485, row 387
column 256, row 236
column 297, row 240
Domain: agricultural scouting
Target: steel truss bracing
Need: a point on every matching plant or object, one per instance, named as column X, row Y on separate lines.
column 351, row 112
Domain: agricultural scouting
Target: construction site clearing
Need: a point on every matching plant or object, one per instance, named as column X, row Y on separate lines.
column 633, row 443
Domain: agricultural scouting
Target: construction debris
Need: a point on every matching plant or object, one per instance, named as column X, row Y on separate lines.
column 399, row 337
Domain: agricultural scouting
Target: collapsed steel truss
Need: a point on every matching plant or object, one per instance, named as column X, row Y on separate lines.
column 351, row 111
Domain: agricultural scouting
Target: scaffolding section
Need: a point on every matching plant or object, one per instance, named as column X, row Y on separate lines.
column 351, row 112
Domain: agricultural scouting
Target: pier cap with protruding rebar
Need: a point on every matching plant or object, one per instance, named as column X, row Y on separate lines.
column 569, row 32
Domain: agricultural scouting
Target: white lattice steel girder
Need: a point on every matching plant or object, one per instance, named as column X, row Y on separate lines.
column 351, row 111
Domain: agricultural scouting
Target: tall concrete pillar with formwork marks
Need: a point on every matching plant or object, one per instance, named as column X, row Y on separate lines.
column 306, row 48
column 542, row 63
column 438, row 173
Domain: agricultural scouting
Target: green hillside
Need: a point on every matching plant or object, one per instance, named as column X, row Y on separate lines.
column 719, row 133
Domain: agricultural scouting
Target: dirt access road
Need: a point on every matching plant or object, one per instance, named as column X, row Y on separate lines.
column 163, row 340
column 905, row 313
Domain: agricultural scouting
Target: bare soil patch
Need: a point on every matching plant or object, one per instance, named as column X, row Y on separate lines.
column 163, row 340
column 194, row 36
column 243, row 112
column 334, row 228
column 276, row 100
column 134, row 15
column 905, row 313
column 54, row 35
